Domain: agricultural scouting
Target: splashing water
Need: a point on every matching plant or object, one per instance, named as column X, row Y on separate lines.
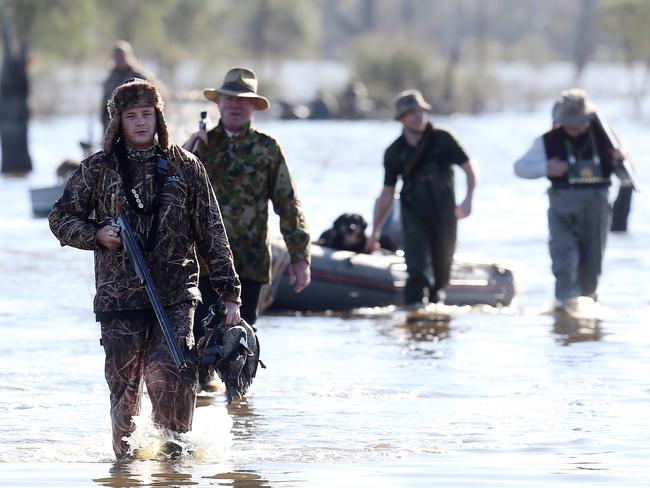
column 209, row 440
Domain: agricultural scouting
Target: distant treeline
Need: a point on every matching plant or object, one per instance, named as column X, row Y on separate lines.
column 443, row 47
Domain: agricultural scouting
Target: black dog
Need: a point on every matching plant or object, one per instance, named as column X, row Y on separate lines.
column 348, row 233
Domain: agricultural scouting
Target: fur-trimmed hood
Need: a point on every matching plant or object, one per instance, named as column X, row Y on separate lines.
column 134, row 92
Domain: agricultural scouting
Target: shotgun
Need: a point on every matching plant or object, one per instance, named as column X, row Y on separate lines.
column 134, row 253
column 624, row 169
column 203, row 125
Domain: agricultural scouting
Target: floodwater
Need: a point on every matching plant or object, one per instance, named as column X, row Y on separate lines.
column 509, row 397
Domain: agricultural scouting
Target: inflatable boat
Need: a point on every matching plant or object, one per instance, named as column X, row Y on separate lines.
column 344, row 280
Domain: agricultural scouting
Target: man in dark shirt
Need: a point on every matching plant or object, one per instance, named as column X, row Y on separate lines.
column 424, row 157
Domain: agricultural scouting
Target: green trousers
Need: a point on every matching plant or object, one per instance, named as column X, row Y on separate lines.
column 429, row 227
column 578, row 221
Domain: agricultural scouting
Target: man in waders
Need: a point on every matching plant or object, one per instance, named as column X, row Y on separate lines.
column 247, row 168
column 622, row 203
column 424, row 156
column 577, row 159
column 165, row 194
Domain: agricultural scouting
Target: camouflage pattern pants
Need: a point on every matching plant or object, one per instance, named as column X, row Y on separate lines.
column 136, row 352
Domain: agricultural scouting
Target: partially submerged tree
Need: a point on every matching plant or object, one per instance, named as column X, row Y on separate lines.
column 14, row 90
column 60, row 28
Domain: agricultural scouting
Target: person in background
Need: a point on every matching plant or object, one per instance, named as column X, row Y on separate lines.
column 623, row 202
column 578, row 161
column 247, row 168
column 165, row 193
column 125, row 66
column 354, row 102
column 424, row 156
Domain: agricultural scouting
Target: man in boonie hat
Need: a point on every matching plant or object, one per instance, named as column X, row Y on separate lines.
column 247, row 167
column 575, row 111
column 238, row 83
column 410, row 99
column 576, row 157
column 424, row 157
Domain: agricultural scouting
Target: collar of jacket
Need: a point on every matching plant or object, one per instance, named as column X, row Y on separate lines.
column 111, row 161
column 241, row 133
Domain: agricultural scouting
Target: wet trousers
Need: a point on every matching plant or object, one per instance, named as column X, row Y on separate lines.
column 136, row 353
column 429, row 243
column 578, row 221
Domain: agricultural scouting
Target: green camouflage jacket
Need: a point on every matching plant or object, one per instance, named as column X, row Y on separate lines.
column 190, row 223
column 247, row 170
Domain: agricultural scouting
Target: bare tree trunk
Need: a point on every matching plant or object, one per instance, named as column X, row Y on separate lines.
column 14, row 112
column 368, row 15
column 364, row 19
column 407, row 12
column 477, row 87
column 638, row 84
column 452, row 47
column 585, row 39
column 259, row 40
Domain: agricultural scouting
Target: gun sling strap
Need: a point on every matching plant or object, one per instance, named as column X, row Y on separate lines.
column 162, row 168
column 425, row 141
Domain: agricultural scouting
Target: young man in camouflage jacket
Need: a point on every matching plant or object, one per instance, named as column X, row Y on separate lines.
column 175, row 216
column 247, row 168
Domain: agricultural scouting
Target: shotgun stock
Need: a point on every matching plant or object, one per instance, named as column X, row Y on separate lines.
column 624, row 168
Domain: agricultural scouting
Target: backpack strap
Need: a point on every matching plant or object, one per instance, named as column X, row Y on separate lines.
column 161, row 177
column 425, row 141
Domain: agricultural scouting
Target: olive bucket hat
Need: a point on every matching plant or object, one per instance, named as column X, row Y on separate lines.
column 574, row 108
column 238, row 82
column 407, row 100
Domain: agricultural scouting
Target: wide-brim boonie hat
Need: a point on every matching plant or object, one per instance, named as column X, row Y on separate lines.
column 238, row 82
column 407, row 100
column 574, row 108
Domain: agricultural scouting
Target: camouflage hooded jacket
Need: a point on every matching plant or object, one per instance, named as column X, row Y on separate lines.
column 190, row 223
column 247, row 170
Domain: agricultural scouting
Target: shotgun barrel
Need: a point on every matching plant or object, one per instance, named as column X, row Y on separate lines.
column 134, row 253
